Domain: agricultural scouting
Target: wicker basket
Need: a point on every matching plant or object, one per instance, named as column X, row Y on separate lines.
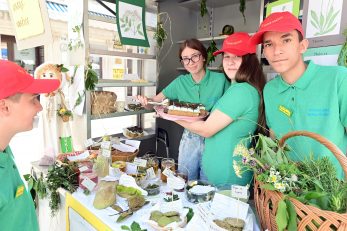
column 103, row 102
column 123, row 156
column 266, row 201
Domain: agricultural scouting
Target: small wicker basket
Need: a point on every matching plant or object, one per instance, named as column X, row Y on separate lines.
column 123, row 156
column 103, row 102
column 308, row 217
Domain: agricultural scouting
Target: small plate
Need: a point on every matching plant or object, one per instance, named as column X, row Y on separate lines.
column 162, row 114
column 128, row 137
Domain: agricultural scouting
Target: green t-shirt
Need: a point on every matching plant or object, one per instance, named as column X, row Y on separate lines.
column 207, row 92
column 316, row 102
column 240, row 103
column 17, row 211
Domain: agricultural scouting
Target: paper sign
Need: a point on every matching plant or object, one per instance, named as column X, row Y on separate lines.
column 150, row 173
column 83, row 168
column 88, row 142
column 176, row 183
column 89, row 184
column 81, row 156
column 106, row 152
column 106, row 144
column 171, row 206
column 131, row 168
column 167, row 172
column 133, row 143
column 224, row 203
column 238, row 191
column 140, row 162
column 124, row 147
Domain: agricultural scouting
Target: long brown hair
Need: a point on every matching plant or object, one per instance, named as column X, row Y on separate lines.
column 251, row 71
column 193, row 44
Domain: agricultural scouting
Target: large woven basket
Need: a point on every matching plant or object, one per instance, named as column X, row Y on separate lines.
column 308, row 217
column 103, row 102
column 123, row 156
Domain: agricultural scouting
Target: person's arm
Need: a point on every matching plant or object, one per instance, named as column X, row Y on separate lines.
column 214, row 123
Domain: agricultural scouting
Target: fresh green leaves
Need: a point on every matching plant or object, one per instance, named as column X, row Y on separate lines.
column 160, row 34
column 286, row 215
column 212, row 48
column 91, row 78
column 133, row 227
column 242, row 9
column 203, row 8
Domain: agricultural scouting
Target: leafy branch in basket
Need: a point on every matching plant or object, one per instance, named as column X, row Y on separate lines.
column 311, row 181
column 203, row 8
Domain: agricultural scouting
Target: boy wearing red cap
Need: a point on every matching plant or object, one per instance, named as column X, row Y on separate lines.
column 304, row 96
column 235, row 115
column 18, row 107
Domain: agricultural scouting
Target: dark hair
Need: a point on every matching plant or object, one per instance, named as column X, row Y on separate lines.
column 251, row 72
column 300, row 36
column 194, row 44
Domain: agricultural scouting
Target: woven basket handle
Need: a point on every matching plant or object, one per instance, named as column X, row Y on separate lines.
column 329, row 145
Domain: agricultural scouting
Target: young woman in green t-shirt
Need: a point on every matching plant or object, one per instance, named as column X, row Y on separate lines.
column 198, row 86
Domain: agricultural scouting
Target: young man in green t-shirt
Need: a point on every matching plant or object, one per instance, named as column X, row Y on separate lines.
column 18, row 107
column 304, row 96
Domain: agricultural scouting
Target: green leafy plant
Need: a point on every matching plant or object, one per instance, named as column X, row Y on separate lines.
column 63, row 111
column 77, row 42
column 203, row 8
column 160, row 34
column 342, row 60
column 36, row 186
column 61, row 176
column 133, row 227
column 326, row 21
column 90, row 78
column 212, row 48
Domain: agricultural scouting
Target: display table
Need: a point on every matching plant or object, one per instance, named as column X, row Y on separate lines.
column 77, row 212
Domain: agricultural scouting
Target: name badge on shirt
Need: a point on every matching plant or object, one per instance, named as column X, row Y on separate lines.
column 20, row 190
column 285, row 110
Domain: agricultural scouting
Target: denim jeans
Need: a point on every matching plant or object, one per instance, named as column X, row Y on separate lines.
column 190, row 155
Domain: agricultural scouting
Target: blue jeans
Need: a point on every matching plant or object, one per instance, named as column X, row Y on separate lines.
column 190, row 155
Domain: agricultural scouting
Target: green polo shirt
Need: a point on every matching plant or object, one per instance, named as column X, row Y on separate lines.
column 207, row 92
column 240, row 103
column 17, row 210
column 316, row 102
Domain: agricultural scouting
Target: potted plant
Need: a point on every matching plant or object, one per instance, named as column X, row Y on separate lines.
column 64, row 113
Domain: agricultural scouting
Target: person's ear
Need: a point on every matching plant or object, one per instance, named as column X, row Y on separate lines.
column 4, row 110
column 303, row 46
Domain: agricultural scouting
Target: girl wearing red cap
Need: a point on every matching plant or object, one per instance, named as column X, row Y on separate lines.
column 235, row 116
column 198, row 86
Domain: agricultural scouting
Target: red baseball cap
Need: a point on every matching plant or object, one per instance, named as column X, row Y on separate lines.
column 14, row 79
column 278, row 22
column 238, row 44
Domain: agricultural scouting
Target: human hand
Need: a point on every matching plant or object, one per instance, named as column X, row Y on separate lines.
column 142, row 99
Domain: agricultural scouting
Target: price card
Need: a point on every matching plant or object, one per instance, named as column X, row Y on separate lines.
column 88, row 142
column 106, row 145
column 175, row 182
column 167, row 172
column 106, row 152
column 83, row 168
column 131, row 168
column 150, row 173
column 89, row 184
column 238, row 191
column 140, row 162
